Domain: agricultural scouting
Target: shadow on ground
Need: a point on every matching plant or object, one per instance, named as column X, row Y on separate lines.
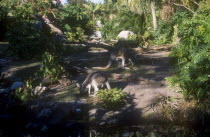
column 63, row 111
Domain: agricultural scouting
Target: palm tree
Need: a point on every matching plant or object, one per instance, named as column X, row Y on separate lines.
column 92, row 9
column 143, row 7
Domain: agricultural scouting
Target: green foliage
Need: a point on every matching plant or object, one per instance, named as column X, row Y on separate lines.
column 24, row 10
column 112, row 98
column 75, row 34
column 192, row 57
column 125, row 20
column 92, row 9
column 24, row 94
column 3, row 12
column 165, row 31
column 70, row 49
column 129, row 43
column 73, row 19
column 26, row 41
column 51, row 66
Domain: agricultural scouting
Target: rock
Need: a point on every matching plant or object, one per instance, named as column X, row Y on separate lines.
column 81, row 101
column 92, row 112
column 44, row 128
column 102, row 123
column 9, row 75
column 98, row 24
column 44, row 113
column 39, row 90
column 64, row 81
column 46, row 81
column 16, row 85
column 6, row 90
column 32, row 125
column 124, row 35
column 113, row 121
column 4, row 62
column 78, row 110
column 96, row 35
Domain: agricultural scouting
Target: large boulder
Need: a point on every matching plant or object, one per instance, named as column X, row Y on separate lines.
column 125, row 34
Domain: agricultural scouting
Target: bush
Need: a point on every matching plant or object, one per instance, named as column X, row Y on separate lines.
column 23, row 94
column 166, row 31
column 75, row 34
column 112, row 98
column 51, row 66
column 192, row 56
column 125, row 20
column 73, row 19
column 25, row 41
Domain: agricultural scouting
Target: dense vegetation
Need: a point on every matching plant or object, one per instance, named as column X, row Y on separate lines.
column 38, row 29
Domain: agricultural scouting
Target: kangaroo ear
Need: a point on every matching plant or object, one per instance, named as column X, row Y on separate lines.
column 78, row 85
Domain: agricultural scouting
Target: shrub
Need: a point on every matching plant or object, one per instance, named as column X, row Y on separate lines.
column 25, row 41
column 73, row 19
column 192, row 56
column 23, row 94
column 51, row 66
column 112, row 98
column 125, row 20
column 75, row 34
column 165, row 31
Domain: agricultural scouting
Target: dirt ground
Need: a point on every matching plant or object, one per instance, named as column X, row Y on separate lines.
column 144, row 82
column 62, row 110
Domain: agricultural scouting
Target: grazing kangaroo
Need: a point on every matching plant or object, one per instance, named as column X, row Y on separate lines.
column 94, row 79
column 120, row 53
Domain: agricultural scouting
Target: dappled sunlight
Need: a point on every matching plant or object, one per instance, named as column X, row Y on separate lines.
column 124, row 68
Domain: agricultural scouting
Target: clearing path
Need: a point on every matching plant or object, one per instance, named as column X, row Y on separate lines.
column 144, row 82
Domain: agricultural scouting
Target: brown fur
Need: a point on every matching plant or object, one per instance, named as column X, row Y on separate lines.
column 122, row 54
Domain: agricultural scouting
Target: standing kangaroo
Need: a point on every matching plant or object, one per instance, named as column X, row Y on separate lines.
column 120, row 53
column 94, row 79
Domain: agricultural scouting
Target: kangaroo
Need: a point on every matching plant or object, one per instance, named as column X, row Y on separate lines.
column 94, row 79
column 120, row 53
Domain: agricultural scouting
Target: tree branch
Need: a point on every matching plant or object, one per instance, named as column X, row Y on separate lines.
column 57, row 31
column 184, row 7
column 195, row 3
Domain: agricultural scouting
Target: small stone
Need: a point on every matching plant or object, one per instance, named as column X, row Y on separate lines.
column 78, row 110
column 92, row 112
column 31, row 125
column 102, row 123
column 96, row 35
column 113, row 121
column 45, row 113
column 16, row 85
column 44, row 128
column 98, row 24
column 64, row 81
column 6, row 90
column 39, row 90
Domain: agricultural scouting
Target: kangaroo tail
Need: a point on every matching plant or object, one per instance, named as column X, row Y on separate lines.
column 108, row 65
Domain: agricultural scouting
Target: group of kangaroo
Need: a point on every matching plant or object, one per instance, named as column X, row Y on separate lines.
column 99, row 78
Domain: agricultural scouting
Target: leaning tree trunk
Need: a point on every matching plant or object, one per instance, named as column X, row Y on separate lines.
column 154, row 19
column 56, row 30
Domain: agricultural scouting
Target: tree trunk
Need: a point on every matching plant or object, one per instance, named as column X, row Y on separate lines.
column 56, row 30
column 154, row 19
